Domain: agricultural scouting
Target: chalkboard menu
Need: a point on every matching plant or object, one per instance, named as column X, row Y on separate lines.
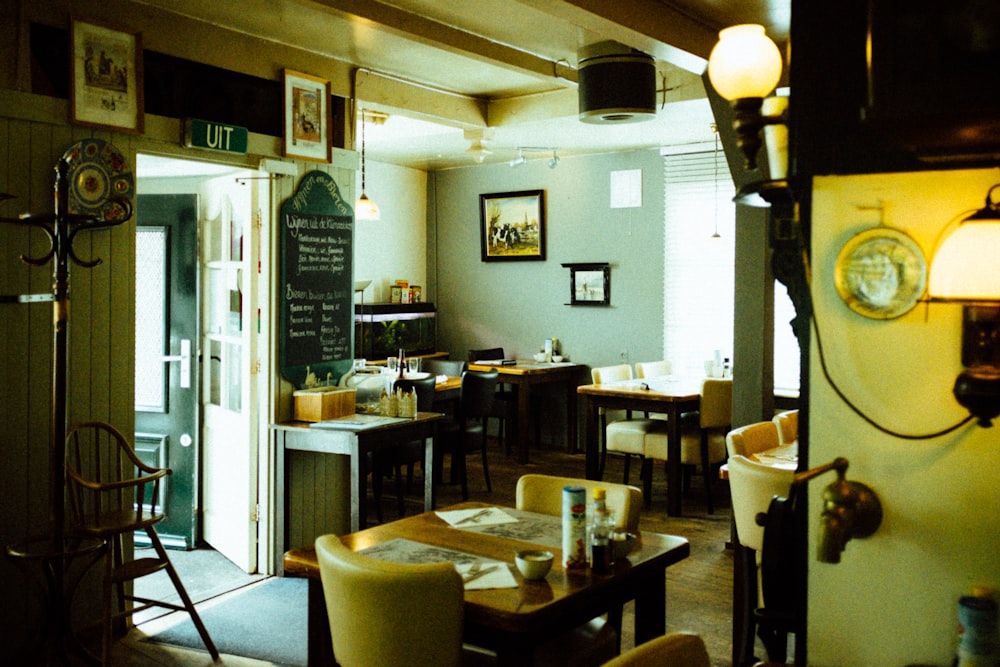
column 317, row 286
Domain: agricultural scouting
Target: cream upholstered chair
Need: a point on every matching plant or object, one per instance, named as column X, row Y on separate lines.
column 677, row 649
column 752, row 486
column 702, row 445
column 621, row 433
column 598, row 640
column 384, row 613
column 543, row 494
column 752, row 438
column 788, row 426
column 653, row 369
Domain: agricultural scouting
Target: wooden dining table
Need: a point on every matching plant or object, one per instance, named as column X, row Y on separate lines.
column 511, row 621
column 672, row 396
column 524, row 376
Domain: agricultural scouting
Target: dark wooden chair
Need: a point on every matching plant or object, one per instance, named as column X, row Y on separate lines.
column 505, row 407
column 390, row 461
column 111, row 494
column 468, row 432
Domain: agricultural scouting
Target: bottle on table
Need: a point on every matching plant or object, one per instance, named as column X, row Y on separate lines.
column 600, row 527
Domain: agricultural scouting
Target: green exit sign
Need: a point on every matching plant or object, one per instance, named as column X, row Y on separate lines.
column 215, row 136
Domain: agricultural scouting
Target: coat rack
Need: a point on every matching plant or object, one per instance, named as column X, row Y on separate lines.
column 62, row 228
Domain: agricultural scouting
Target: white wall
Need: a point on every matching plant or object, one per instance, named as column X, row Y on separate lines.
column 893, row 598
column 516, row 305
column 395, row 246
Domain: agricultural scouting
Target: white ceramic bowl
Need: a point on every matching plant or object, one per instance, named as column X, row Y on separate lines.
column 534, row 563
column 557, row 358
column 540, row 356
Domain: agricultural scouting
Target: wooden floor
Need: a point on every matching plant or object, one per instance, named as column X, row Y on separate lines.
column 699, row 589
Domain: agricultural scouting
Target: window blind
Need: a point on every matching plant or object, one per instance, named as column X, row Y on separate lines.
column 699, row 260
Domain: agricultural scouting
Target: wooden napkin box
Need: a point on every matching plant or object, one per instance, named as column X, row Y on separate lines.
column 316, row 405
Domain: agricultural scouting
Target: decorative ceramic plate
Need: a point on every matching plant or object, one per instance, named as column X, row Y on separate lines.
column 881, row 273
column 98, row 176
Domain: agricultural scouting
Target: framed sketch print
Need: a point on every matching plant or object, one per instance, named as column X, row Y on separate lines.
column 106, row 77
column 512, row 226
column 589, row 284
column 307, row 117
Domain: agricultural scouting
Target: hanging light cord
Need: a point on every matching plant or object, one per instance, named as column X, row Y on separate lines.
column 715, row 164
column 833, row 385
column 362, row 151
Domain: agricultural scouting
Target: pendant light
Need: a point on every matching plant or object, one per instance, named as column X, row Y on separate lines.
column 365, row 208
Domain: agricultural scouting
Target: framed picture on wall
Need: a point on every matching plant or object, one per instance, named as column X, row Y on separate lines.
column 106, row 77
column 589, row 284
column 512, row 226
column 307, row 117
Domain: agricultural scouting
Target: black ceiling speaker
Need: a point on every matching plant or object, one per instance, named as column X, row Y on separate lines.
column 617, row 84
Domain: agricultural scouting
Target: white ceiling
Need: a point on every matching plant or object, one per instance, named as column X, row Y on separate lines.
column 448, row 72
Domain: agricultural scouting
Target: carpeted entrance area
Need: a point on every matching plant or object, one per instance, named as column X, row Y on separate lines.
column 266, row 621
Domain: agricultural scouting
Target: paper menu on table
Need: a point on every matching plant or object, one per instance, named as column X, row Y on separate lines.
column 484, row 516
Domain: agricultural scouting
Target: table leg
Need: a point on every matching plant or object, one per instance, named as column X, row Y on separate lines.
column 572, row 446
column 429, row 500
column 674, row 461
column 593, row 460
column 320, row 644
column 523, row 422
column 651, row 607
column 359, row 488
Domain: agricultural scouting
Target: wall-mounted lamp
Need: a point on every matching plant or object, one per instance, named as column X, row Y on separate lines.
column 964, row 271
column 744, row 68
column 365, row 208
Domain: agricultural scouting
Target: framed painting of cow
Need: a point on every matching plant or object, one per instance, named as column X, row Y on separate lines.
column 512, row 225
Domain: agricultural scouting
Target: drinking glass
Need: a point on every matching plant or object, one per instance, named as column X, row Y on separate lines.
column 390, row 363
column 414, row 364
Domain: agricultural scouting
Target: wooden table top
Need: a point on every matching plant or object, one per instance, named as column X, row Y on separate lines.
column 657, row 389
column 515, row 609
column 524, row 367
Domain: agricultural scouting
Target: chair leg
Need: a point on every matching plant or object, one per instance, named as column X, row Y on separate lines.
column 377, row 490
column 486, row 465
column 706, row 469
column 647, row 479
column 628, row 463
column 602, row 445
column 182, row 593
column 399, row 491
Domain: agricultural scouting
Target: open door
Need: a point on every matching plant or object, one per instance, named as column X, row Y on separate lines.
column 230, row 315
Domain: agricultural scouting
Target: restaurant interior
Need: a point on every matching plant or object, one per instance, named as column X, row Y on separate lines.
column 432, row 112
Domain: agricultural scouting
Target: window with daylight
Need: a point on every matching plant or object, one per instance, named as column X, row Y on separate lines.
column 699, row 259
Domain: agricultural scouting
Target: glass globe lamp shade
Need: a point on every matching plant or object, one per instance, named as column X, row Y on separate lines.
column 965, row 265
column 745, row 63
column 366, row 209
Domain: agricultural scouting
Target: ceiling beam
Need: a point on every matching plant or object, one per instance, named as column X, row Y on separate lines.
column 655, row 27
column 447, row 38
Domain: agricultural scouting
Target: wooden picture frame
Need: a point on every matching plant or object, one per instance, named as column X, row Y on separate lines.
column 589, row 284
column 306, row 117
column 106, row 77
column 512, row 226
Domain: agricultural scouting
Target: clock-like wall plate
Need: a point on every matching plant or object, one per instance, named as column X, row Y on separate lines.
column 881, row 273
